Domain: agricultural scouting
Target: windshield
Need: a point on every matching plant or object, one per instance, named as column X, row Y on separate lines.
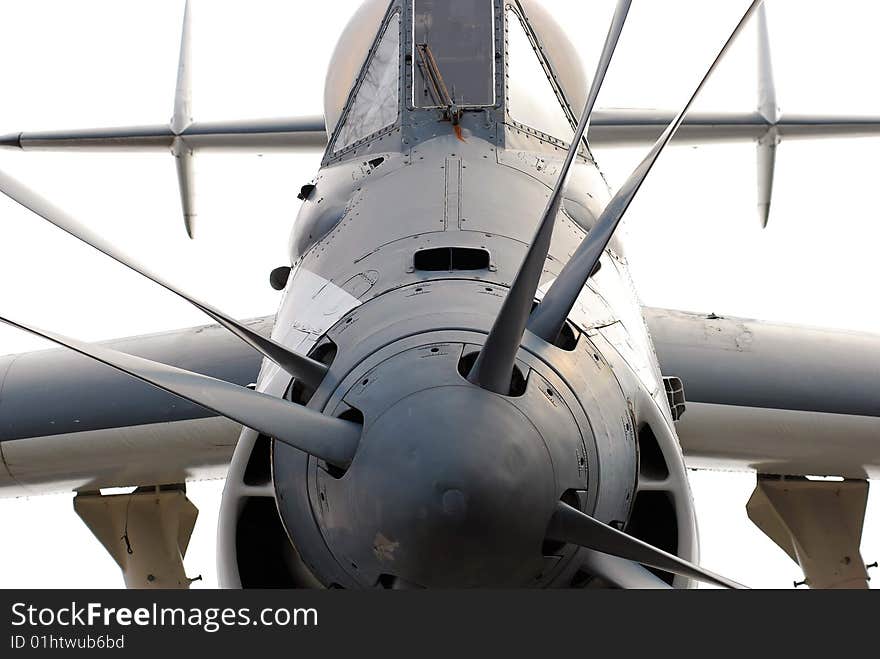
column 453, row 53
column 531, row 99
column 375, row 105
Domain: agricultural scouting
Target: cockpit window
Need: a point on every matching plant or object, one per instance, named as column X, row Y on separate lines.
column 453, row 53
column 377, row 102
column 532, row 101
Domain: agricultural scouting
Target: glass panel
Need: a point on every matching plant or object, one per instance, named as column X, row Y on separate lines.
column 454, row 53
column 531, row 98
column 377, row 103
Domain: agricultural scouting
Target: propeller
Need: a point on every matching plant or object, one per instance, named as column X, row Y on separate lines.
column 574, row 527
column 308, row 370
column 549, row 316
column 620, row 573
column 494, row 366
column 332, row 440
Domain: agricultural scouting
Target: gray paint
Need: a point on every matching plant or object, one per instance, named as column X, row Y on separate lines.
column 748, row 363
column 51, row 390
column 782, row 442
column 58, row 392
column 296, row 132
column 402, row 337
column 373, row 342
column 550, row 315
column 494, row 365
column 570, row 524
column 297, row 365
column 175, row 452
column 330, row 439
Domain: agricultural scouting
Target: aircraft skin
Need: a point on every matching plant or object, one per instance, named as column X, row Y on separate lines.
column 406, row 247
column 364, row 250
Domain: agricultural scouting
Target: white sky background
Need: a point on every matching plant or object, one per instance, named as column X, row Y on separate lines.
column 695, row 237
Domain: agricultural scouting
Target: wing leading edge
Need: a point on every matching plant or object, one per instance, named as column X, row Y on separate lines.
column 773, row 398
column 764, row 397
column 67, row 423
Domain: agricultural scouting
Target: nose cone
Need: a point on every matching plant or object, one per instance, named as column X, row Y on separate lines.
column 452, row 487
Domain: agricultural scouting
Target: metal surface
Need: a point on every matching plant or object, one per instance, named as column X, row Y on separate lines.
column 494, row 366
column 779, row 441
column 185, row 180
column 629, row 127
column 384, row 467
column 180, row 121
column 621, row 573
column 768, row 107
column 571, row 525
column 768, row 365
column 298, row 133
column 818, row 524
column 766, row 152
column 549, row 316
column 58, row 392
column 792, row 400
column 297, row 365
column 183, row 115
column 146, row 532
column 331, row 439
column 128, row 456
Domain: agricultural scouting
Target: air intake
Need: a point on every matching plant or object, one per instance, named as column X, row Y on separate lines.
column 451, row 259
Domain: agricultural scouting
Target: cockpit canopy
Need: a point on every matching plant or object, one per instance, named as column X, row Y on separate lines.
column 454, row 53
column 411, row 55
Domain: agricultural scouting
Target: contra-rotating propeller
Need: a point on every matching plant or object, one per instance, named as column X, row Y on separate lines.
column 308, row 370
column 612, row 554
column 493, row 368
column 332, row 440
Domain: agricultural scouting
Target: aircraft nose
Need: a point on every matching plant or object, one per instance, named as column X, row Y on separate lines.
column 452, row 486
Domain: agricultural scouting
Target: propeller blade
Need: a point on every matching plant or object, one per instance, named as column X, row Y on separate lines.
column 549, row 316
column 619, row 572
column 333, row 440
column 572, row 526
column 494, row 366
column 308, row 370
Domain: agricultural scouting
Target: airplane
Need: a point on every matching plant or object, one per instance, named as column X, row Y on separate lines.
column 460, row 387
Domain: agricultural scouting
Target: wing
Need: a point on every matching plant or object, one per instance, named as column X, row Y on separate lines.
column 68, row 423
column 773, row 398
